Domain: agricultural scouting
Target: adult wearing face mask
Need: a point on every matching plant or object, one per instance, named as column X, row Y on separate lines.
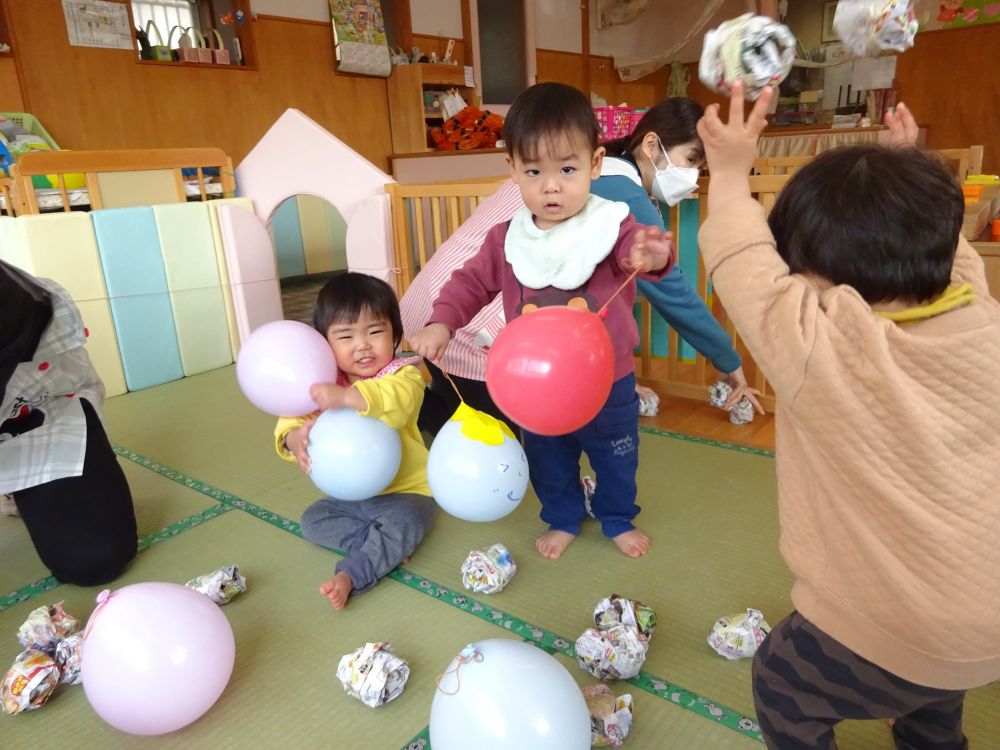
column 659, row 160
column 57, row 468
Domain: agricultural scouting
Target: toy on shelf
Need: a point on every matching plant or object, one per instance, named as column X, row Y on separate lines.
column 470, row 129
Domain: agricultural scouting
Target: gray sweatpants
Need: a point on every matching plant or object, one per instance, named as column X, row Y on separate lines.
column 376, row 533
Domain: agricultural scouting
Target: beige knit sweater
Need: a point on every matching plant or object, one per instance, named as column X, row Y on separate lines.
column 888, row 456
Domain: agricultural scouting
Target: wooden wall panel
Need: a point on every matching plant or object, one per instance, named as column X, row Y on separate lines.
column 950, row 80
column 567, row 67
column 102, row 99
column 10, row 89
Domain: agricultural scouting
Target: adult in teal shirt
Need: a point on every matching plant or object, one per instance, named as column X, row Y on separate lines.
column 659, row 162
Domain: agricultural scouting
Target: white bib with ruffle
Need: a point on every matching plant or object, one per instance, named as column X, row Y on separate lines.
column 563, row 256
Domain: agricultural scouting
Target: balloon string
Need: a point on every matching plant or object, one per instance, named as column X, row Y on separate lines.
column 618, row 291
column 103, row 598
column 466, row 656
column 452, row 383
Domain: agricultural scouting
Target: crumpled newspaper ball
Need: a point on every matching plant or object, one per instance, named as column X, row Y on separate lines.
column 613, row 654
column 869, row 27
column 741, row 413
column 373, row 674
column 610, row 717
column 488, row 571
column 753, row 49
column 739, row 636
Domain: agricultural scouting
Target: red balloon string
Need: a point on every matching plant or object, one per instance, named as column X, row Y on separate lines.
column 602, row 313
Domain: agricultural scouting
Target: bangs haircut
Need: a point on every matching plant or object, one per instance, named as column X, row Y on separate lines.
column 345, row 297
column 885, row 221
column 543, row 115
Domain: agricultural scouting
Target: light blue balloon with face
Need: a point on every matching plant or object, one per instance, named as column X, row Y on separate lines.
column 477, row 471
column 353, row 457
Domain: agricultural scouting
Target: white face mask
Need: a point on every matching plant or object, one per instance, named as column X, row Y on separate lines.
column 673, row 184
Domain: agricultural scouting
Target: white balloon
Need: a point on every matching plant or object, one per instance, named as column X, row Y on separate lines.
column 471, row 479
column 517, row 696
column 353, row 457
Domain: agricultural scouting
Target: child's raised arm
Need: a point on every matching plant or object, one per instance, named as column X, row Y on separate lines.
column 731, row 147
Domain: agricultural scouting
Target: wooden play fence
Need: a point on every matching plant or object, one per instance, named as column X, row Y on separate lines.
column 424, row 215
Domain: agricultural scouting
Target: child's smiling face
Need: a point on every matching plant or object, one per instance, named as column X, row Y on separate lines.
column 363, row 347
column 555, row 181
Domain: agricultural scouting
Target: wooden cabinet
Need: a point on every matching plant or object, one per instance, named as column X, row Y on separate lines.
column 407, row 84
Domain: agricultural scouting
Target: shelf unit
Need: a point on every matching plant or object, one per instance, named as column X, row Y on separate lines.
column 407, row 85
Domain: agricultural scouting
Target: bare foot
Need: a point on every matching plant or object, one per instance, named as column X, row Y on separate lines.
column 406, row 560
column 337, row 589
column 633, row 543
column 552, row 544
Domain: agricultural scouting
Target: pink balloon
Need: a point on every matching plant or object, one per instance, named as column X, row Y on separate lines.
column 278, row 364
column 157, row 657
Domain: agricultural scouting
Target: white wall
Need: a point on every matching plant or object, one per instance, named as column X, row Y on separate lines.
column 311, row 10
column 557, row 25
column 437, row 17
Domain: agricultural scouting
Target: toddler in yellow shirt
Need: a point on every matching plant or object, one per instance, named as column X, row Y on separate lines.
column 359, row 315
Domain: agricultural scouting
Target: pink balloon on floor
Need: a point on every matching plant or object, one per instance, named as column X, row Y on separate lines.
column 278, row 364
column 157, row 657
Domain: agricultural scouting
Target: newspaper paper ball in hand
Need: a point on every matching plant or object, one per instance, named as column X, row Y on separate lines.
column 869, row 27
column 753, row 49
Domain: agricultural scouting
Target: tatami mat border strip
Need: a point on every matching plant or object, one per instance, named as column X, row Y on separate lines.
column 47, row 584
column 707, row 441
column 542, row 638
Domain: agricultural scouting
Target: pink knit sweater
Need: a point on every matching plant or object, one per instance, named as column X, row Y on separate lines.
column 888, row 456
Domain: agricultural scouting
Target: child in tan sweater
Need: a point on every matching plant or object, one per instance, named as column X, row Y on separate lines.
column 871, row 317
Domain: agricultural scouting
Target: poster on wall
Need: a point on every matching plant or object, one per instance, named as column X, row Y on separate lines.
column 359, row 37
column 956, row 14
column 95, row 23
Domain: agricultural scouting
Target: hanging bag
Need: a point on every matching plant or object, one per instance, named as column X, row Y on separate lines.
column 159, row 51
column 200, row 46
column 220, row 54
column 183, row 51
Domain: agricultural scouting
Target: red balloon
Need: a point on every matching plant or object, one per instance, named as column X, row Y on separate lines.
column 551, row 370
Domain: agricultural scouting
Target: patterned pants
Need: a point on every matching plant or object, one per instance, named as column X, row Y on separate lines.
column 805, row 683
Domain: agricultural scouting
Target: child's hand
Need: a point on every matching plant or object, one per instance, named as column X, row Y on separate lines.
column 902, row 127
column 333, row 396
column 731, row 147
column 328, row 395
column 297, row 441
column 431, row 342
column 651, row 251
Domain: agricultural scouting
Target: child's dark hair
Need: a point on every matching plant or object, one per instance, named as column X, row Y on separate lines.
column 344, row 297
column 544, row 113
column 674, row 121
column 883, row 220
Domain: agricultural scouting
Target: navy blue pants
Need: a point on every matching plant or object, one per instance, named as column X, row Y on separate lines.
column 611, row 442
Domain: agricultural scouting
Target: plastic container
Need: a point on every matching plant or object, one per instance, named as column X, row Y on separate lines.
column 633, row 119
column 33, row 126
column 614, row 121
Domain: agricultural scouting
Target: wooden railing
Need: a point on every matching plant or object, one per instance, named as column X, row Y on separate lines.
column 93, row 164
column 424, row 215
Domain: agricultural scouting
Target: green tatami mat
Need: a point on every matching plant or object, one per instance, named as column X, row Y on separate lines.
column 284, row 691
column 710, row 512
column 202, row 426
column 158, row 503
